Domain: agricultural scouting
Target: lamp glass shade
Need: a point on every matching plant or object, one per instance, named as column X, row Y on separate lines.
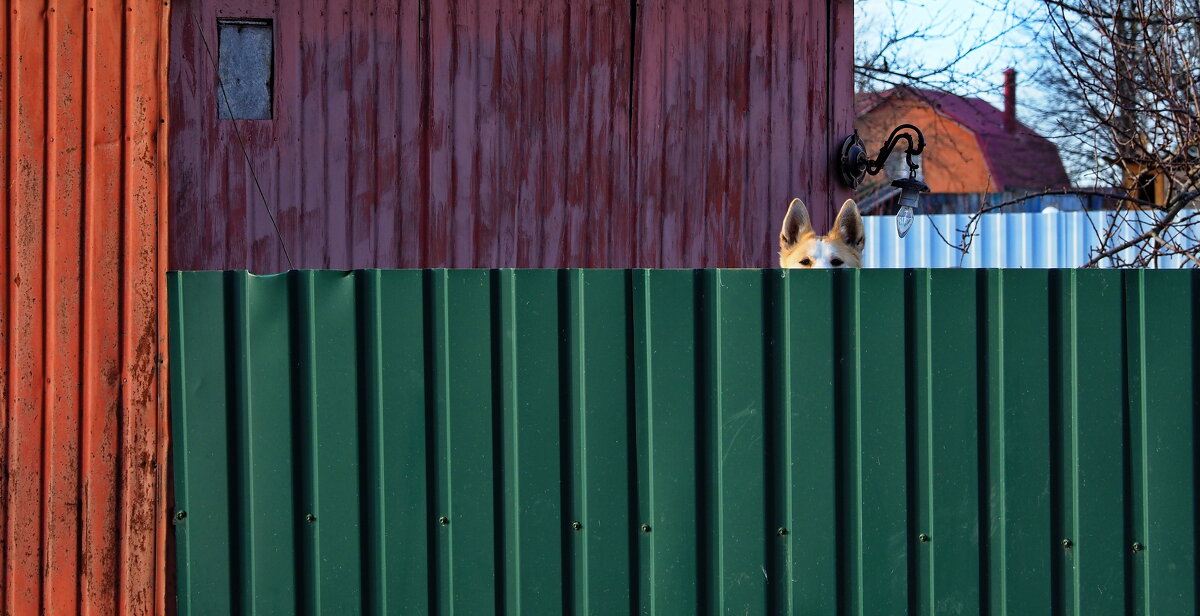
column 910, row 195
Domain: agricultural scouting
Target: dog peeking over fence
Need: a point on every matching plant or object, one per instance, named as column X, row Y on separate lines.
column 800, row 247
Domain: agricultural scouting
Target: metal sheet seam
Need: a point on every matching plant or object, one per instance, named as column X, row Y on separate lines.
column 164, row 586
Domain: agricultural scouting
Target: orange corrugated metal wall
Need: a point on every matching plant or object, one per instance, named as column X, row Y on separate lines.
column 82, row 333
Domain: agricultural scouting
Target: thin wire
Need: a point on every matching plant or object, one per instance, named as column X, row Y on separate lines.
column 238, row 134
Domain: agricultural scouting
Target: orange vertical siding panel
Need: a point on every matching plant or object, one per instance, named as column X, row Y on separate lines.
column 25, row 369
column 102, row 359
column 82, row 505
column 64, row 166
column 140, row 328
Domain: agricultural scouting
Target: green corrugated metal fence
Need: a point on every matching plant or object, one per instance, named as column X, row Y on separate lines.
column 684, row 442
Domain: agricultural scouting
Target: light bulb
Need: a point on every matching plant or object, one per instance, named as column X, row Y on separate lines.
column 904, row 220
column 910, row 194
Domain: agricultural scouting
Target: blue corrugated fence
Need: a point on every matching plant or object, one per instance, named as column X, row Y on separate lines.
column 1059, row 239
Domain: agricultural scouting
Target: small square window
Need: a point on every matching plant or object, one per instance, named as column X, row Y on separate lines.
column 245, row 66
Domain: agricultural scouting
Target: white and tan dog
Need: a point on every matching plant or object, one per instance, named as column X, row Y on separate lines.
column 800, row 247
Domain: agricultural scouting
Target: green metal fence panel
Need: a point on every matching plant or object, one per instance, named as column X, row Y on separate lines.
column 263, row 446
column 600, row 445
column 200, row 415
column 686, row 442
column 946, row 348
column 806, row 421
column 531, row 442
column 1019, row 343
column 1093, row 454
column 395, row 475
column 1164, row 369
column 667, row 368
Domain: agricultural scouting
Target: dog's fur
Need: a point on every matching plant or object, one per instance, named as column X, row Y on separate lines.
column 800, row 247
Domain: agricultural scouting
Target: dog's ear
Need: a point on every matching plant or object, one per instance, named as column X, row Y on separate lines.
column 795, row 224
column 849, row 225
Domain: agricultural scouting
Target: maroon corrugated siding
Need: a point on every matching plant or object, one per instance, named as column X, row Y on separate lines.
column 504, row 133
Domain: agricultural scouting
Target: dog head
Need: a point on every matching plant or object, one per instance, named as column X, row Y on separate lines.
column 800, row 247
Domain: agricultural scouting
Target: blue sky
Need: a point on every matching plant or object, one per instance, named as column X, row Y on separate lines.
column 952, row 27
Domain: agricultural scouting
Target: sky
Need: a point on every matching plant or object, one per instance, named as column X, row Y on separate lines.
column 1007, row 29
column 1008, row 33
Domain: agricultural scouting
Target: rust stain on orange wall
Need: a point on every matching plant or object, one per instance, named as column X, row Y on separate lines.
column 82, row 330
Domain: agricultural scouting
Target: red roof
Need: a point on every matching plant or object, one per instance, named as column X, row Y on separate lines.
column 1021, row 159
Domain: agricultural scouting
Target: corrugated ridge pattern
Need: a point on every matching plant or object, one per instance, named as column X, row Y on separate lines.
column 686, row 442
column 1013, row 240
column 530, row 133
column 737, row 105
column 82, row 231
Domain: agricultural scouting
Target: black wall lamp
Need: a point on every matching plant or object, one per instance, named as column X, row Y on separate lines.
column 854, row 167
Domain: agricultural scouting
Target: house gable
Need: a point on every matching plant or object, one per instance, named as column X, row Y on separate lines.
column 953, row 161
column 1009, row 160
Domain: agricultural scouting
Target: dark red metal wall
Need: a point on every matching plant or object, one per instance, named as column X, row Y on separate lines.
column 497, row 133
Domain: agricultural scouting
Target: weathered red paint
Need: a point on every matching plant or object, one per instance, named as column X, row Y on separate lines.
column 82, row 419
column 528, row 133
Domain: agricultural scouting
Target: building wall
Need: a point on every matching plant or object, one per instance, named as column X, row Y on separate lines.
column 953, row 161
column 82, row 228
column 536, row 133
